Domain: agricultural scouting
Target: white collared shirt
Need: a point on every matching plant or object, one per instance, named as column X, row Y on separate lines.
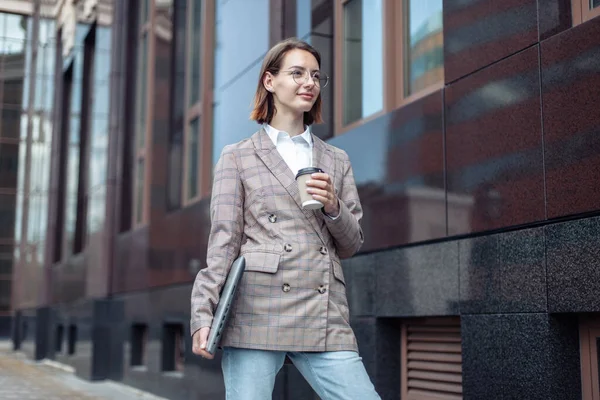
column 296, row 151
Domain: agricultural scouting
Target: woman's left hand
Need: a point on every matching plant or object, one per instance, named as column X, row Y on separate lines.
column 321, row 188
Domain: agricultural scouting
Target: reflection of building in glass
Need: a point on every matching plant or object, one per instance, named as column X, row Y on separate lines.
column 426, row 65
column 12, row 72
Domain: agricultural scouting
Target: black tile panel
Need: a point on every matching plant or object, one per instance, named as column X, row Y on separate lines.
column 360, row 276
column 520, row 356
column 478, row 33
column 503, row 273
column 571, row 92
column 398, row 165
column 481, row 356
column 573, row 258
column 418, row 281
column 494, row 160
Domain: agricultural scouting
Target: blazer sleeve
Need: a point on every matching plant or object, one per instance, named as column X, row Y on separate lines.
column 227, row 220
column 345, row 229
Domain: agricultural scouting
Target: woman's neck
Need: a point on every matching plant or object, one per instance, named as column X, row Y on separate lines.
column 292, row 125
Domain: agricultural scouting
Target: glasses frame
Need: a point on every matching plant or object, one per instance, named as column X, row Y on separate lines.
column 306, row 75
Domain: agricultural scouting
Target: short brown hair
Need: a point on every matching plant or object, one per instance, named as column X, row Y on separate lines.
column 264, row 107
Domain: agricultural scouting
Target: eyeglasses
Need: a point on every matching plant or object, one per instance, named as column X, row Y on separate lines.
column 301, row 77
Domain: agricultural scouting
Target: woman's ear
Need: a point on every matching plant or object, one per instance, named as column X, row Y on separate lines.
column 268, row 82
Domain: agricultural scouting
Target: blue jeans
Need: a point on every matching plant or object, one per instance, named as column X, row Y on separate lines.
column 341, row 375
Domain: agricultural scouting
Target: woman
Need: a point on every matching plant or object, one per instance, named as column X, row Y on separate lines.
column 291, row 299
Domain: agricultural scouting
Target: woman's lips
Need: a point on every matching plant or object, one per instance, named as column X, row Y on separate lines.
column 306, row 96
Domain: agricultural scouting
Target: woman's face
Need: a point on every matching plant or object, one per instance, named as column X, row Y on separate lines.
column 294, row 89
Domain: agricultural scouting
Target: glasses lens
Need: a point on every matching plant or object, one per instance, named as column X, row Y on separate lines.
column 299, row 77
column 323, row 81
column 320, row 80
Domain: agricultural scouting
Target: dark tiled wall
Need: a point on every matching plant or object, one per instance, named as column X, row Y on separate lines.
column 479, row 33
column 570, row 91
column 520, row 356
column 573, row 258
column 512, row 291
column 494, row 145
column 5, row 327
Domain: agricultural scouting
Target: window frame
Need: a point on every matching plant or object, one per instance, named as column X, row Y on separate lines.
column 202, row 108
column 589, row 330
column 582, row 12
column 144, row 153
column 393, row 24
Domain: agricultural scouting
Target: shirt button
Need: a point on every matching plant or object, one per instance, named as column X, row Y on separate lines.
column 287, row 247
column 322, row 289
column 323, row 250
column 286, row 287
column 273, row 218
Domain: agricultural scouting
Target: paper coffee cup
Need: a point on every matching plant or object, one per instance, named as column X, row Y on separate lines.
column 306, row 198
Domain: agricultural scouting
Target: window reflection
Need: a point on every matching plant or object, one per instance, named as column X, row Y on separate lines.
column 195, row 51
column 144, row 7
column 179, row 53
column 313, row 22
column 363, row 59
column 424, row 45
column 14, row 26
column 192, row 158
column 7, row 215
column 237, row 61
column 141, row 92
column 594, row 3
column 95, row 217
column 178, row 103
column 139, row 189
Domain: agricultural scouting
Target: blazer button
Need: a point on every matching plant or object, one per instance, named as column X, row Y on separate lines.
column 273, row 218
column 287, row 247
column 322, row 289
column 286, row 287
column 323, row 250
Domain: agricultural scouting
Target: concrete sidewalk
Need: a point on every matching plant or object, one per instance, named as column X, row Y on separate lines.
column 23, row 379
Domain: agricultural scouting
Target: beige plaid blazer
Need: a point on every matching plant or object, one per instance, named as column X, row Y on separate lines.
column 292, row 296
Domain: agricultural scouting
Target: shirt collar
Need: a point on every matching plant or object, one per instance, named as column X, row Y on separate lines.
column 274, row 134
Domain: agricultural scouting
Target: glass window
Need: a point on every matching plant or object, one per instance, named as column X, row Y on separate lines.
column 5, row 294
column 192, row 158
column 10, row 122
column 96, row 210
column 7, row 215
column 362, row 64
column 313, row 22
column 195, row 51
column 14, row 26
column 234, row 54
column 179, row 52
column 6, row 264
column 9, row 162
column 141, row 93
column 139, row 188
column 594, row 3
column 144, row 6
column 424, row 45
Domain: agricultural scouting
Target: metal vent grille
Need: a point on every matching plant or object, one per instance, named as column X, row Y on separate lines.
column 431, row 360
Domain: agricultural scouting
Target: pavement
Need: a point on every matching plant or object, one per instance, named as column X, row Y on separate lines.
column 23, row 379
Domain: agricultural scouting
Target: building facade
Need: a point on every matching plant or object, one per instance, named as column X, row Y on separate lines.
column 472, row 127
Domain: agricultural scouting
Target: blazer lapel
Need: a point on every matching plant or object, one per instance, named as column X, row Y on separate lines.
column 322, row 157
column 267, row 152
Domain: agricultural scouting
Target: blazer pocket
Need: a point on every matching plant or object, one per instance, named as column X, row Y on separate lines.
column 338, row 272
column 262, row 261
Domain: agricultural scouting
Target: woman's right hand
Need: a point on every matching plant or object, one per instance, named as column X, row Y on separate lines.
column 199, row 341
